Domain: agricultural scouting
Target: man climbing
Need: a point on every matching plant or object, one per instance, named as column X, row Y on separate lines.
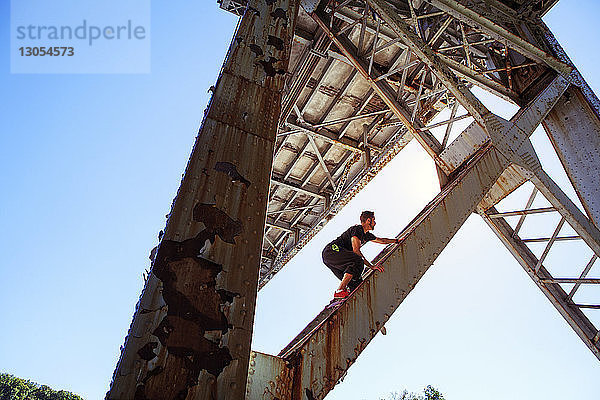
column 343, row 257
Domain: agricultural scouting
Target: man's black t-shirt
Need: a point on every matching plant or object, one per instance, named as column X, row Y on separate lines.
column 345, row 239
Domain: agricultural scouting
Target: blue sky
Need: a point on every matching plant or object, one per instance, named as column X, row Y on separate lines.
column 91, row 162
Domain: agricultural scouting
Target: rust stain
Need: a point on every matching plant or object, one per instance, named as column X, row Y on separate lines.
column 231, row 170
column 276, row 42
column 280, row 13
column 268, row 66
column 195, row 307
column 297, row 365
column 147, row 352
column 256, row 49
column 217, row 222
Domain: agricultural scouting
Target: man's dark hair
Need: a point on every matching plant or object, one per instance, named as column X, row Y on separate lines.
column 365, row 215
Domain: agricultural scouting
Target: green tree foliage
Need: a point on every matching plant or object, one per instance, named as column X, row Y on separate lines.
column 429, row 393
column 13, row 388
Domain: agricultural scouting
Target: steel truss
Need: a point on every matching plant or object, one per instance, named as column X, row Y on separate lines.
column 413, row 81
column 438, row 42
column 331, row 94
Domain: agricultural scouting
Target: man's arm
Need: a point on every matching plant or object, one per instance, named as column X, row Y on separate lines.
column 385, row 240
column 356, row 249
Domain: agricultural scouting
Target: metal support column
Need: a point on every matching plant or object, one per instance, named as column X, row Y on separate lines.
column 191, row 332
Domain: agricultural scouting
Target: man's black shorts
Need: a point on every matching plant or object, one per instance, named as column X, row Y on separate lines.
column 343, row 261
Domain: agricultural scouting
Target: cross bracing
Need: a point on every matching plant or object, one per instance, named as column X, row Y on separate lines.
column 323, row 96
column 325, row 87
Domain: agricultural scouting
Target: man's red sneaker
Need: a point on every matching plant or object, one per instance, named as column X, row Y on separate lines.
column 341, row 294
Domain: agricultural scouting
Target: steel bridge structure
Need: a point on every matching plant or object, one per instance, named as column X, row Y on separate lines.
column 313, row 100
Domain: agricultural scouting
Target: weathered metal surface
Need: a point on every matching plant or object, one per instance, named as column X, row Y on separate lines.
column 512, row 137
column 479, row 79
column 580, row 323
column 262, row 43
column 269, row 378
column 428, row 141
column 191, row 333
column 428, row 56
column 574, row 130
column 508, row 137
column 325, row 357
column 510, row 180
column 464, row 146
column 546, row 37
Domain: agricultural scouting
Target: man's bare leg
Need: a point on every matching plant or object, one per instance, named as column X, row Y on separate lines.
column 345, row 281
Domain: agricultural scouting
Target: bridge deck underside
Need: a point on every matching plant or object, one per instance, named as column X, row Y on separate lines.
column 341, row 124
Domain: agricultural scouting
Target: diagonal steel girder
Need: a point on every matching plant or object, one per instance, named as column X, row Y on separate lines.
column 573, row 127
column 323, row 357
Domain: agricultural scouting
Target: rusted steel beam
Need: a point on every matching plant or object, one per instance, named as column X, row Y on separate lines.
column 321, row 358
column 522, row 212
column 580, row 323
column 583, row 275
column 471, row 17
column 548, row 239
column 191, row 332
column 337, row 121
column 521, row 126
column 298, row 188
column 382, row 88
column 574, row 131
column 268, row 378
column 426, row 54
column 345, row 143
column 388, row 34
column 479, row 79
